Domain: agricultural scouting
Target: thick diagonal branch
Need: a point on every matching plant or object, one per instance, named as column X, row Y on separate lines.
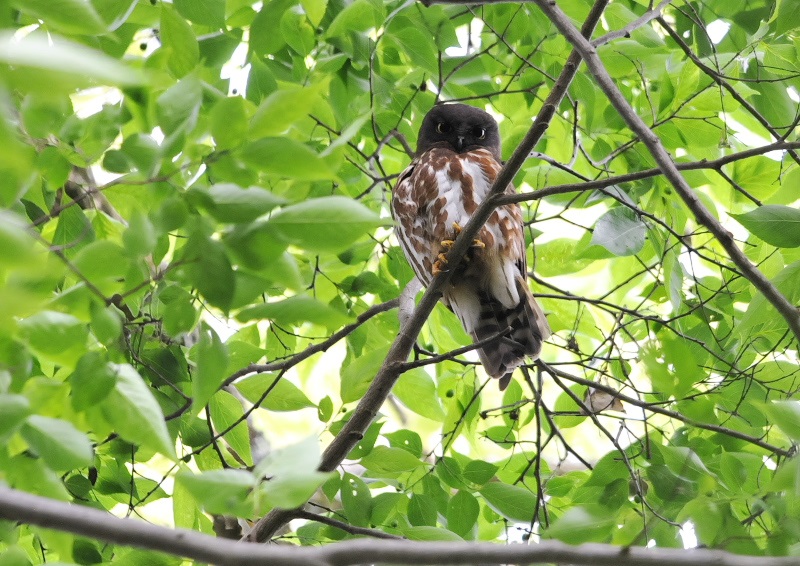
column 393, row 365
column 664, row 161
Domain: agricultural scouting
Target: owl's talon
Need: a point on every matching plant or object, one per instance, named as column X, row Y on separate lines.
column 438, row 265
column 447, row 244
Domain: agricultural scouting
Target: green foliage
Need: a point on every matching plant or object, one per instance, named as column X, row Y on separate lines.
column 197, row 249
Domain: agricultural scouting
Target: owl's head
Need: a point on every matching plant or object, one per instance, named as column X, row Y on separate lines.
column 460, row 128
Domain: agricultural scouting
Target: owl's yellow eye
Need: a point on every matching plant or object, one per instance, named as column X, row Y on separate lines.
column 442, row 127
column 479, row 132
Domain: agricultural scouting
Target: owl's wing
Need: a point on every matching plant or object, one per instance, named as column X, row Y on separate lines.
column 409, row 212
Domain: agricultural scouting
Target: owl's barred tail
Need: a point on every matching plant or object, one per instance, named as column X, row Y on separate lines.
column 528, row 329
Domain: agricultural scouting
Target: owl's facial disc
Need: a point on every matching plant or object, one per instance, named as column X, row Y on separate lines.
column 460, row 128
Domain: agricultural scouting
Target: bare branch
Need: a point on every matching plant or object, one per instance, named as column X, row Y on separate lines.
column 642, row 20
column 33, row 509
column 316, row 348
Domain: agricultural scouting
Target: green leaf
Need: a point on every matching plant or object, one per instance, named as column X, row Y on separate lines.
column 417, row 391
column 231, row 203
column 358, row 374
column 285, row 157
column 356, row 500
column 327, row 224
column 135, row 414
column 620, row 231
column 358, row 16
column 785, row 414
column 15, row 239
column 14, row 409
column 418, row 47
column 314, row 9
column 56, row 335
column 283, row 108
column 49, row 66
column 206, row 12
column 567, row 409
column 325, row 409
column 292, row 474
column 297, row 32
column 229, row 122
column 140, row 236
column 205, row 256
column 296, row 310
column 178, row 107
column 761, row 315
column 478, row 472
column 462, row 514
column 386, row 460
column 92, row 380
column 425, row 533
column 68, row 16
column 225, row 492
column 558, row 256
column 210, row 364
column 512, row 502
column 227, row 413
column 775, row 224
column 179, row 42
column 114, row 12
column 62, row 446
column 284, row 396
column 101, row 260
column 579, row 525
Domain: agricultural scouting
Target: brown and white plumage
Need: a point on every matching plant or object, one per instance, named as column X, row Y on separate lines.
column 457, row 160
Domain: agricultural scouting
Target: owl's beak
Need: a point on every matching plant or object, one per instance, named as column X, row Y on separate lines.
column 460, row 144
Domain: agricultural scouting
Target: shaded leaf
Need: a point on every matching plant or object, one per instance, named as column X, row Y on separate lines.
column 135, row 414
column 775, row 224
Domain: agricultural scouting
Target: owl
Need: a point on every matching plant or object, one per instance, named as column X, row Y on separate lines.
column 456, row 162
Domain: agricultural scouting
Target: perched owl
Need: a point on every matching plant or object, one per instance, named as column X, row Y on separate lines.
column 457, row 160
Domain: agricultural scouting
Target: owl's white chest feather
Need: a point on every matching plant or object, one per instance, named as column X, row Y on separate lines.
column 461, row 192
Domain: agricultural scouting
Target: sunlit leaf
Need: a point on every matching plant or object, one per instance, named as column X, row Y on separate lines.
column 36, row 64
column 511, row 501
column 328, row 224
column 61, row 445
column 620, row 232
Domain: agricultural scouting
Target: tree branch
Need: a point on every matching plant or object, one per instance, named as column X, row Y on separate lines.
column 86, row 521
column 665, row 412
column 713, row 164
column 287, row 363
column 393, row 365
column 664, row 160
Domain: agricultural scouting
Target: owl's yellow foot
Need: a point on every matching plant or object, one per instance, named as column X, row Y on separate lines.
column 438, row 265
column 447, row 244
